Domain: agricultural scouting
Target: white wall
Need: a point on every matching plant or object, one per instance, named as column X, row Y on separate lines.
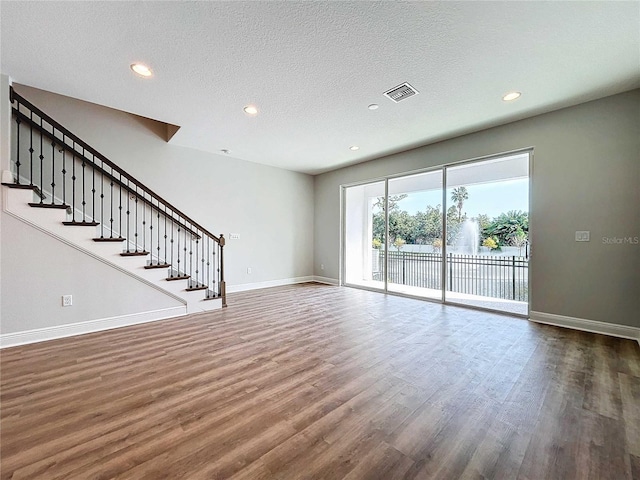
column 586, row 176
column 271, row 209
column 38, row 269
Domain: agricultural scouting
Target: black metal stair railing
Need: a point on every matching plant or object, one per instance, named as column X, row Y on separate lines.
column 67, row 173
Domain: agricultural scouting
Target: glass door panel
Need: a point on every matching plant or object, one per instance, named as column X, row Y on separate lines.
column 415, row 235
column 364, row 235
column 487, row 224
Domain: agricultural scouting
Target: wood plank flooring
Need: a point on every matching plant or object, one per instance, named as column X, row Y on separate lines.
column 318, row 382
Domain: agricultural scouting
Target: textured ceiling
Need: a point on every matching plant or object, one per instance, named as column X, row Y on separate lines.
column 312, row 68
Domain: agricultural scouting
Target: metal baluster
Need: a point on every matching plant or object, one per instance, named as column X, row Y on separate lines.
column 477, row 281
column 468, row 281
column 197, row 270
column 93, row 188
column 203, row 266
column 505, row 276
column 73, row 184
column 144, row 233
column 64, row 170
column 170, row 241
column 120, row 207
column 84, row 200
column 101, row 198
column 135, row 235
column 41, row 164
column 209, row 267
column 18, row 148
column 491, row 271
column 128, row 215
column 53, row 170
column 471, row 275
column 158, row 227
column 144, row 223
column 30, row 147
column 501, row 276
column 467, row 274
column 178, row 260
column 111, row 205
column 165, row 233
column 513, row 277
column 202, row 260
column 185, row 256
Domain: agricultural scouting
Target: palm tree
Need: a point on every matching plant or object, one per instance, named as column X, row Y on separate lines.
column 458, row 196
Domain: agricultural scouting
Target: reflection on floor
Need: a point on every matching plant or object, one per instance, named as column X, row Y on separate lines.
column 498, row 304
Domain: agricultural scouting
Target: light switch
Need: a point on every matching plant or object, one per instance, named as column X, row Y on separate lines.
column 582, row 236
column 234, row 236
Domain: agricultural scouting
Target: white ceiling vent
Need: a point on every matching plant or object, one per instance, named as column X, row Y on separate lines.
column 401, row 92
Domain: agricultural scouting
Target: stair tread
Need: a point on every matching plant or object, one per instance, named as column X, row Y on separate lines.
column 157, row 265
column 23, row 186
column 81, row 224
column 134, row 254
column 109, row 239
column 181, row 277
column 48, row 205
column 197, row 287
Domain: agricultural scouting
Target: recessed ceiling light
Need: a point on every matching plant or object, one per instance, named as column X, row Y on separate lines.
column 354, row 147
column 373, row 106
column 511, row 96
column 251, row 110
column 141, row 69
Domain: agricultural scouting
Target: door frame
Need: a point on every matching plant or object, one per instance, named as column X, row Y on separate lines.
column 444, row 271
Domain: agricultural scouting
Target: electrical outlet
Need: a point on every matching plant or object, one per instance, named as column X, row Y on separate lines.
column 582, row 236
column 249, row 270
column 322, row 266
column 67, row 300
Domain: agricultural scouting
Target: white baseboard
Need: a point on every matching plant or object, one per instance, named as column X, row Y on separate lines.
column 243, row 287
column 327, row 280
column 593, row 326
column 69, row 330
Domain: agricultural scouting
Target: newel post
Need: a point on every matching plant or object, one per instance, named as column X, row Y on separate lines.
column 222, row 285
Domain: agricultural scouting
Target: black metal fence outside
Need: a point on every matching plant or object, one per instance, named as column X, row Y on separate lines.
column 484, row 275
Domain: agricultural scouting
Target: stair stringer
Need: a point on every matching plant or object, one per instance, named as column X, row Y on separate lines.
column 49, row 221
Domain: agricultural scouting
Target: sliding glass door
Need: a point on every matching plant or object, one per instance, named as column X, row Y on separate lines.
column 415, row 235
column 488, row 234
column 458, row 234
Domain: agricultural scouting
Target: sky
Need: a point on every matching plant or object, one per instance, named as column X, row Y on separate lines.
column 490, row 199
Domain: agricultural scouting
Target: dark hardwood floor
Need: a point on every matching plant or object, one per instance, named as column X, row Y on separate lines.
column 319, row 382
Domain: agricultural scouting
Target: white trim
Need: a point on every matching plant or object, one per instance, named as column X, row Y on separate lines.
column 243, row 287
column 593, row 326
column 72, row 329
column 326, row 280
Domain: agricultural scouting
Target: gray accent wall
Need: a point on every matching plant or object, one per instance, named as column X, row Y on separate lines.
column 586, row 176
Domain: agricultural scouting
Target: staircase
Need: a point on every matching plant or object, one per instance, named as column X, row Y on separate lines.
column 63, row 186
